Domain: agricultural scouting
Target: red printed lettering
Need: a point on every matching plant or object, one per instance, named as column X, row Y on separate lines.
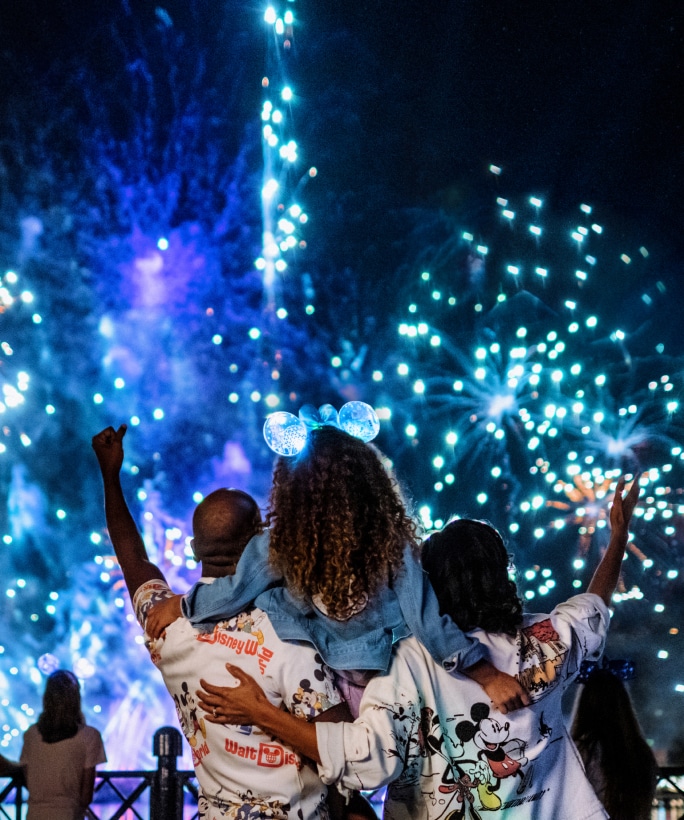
column 246, row 752
column 199, row 754
column 264, row 656
column 223, row 638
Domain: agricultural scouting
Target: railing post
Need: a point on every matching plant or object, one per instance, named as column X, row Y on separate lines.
column 166, row 796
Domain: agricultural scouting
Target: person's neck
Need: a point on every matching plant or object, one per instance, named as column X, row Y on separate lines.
column 216, row 570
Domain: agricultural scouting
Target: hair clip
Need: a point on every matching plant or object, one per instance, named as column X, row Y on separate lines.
column 623, row 669
column 286, row 433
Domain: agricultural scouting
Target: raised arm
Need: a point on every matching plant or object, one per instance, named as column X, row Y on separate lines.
column 608, row 571
column 123, row 532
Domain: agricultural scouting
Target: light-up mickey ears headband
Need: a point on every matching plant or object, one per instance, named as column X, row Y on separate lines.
column 286, row 434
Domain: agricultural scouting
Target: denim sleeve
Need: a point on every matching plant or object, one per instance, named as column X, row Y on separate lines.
column 438, row 633
column 230, row 595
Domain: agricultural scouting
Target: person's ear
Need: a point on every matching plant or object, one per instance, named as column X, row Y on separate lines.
column 192, row 547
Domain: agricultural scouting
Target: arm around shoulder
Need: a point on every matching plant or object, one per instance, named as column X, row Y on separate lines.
column 448, row 644
column 247, row 704
column 231, row 594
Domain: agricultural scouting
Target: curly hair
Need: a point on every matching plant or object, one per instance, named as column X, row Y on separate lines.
column 61, row 717
column 339, row 525
column 467, row 563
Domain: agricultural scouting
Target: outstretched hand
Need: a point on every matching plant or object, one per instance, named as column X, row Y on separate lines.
column 623, row 507
column 607, row 573
column 162, row 615
column 108, row 446
column 239, row 705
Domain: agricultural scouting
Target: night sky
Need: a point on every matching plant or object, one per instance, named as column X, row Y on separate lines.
column 572, row 100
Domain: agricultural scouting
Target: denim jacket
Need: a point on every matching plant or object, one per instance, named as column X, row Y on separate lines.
column 363, row 642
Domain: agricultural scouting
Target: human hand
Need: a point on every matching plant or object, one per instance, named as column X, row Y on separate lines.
column 239, row 705
column 505, row 692
column 108, row 446
column 623, row 507
column 163, row 614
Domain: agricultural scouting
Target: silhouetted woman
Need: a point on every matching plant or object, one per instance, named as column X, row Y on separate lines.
column 619, row 762
column 60, row 754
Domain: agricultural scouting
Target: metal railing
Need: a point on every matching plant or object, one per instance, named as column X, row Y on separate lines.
column 669, row 794
column 120, row 795
column 173, row 794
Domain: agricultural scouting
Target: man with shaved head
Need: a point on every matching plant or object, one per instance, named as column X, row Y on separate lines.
column 222, row 524
column 242, row 771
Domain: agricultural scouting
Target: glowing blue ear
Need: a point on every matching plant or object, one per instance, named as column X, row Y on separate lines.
column 285, row 434
column 359, row 420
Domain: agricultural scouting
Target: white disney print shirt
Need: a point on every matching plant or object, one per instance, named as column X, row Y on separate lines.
column 447, row 754
column 243, row 773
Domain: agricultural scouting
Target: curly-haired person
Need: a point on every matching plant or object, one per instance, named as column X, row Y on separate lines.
column 340, row 558
column 431, row 737
column 339, row 526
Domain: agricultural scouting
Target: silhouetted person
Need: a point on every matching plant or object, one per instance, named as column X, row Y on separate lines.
column 619, row 762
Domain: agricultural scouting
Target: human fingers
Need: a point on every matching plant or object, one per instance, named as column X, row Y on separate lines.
column 210, row 704
column 103, row 436
column 207, row 699
column 519, row 703
column 239, row 674
column 632, row 497
column 121, row 432
column 509, row 705
column 155, row 624
column 616, row 509
column 222, row 703
column 513, row 701
column 212, row 692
